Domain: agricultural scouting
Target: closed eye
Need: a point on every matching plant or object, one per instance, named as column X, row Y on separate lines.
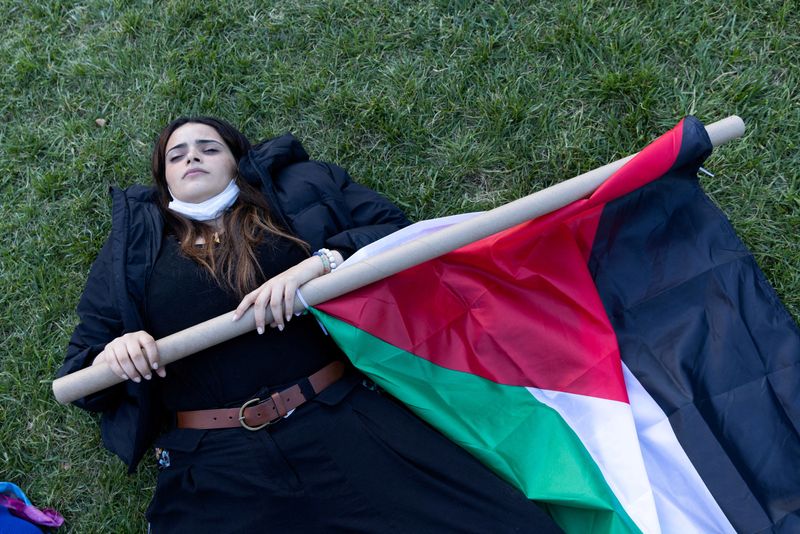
column 175, row 158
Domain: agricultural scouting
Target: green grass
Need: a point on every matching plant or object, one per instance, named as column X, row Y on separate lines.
column 445, row 106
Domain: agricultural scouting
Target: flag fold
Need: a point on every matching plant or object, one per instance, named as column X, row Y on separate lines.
column 622, row 360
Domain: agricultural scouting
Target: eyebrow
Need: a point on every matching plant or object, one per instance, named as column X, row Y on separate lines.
column 199, row 142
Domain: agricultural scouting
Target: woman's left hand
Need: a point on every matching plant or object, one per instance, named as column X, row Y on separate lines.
column 278, row 293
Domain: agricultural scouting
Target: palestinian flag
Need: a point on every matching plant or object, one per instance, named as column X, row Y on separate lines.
column 622, row 360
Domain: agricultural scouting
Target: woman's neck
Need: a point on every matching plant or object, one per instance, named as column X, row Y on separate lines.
column 216, row 226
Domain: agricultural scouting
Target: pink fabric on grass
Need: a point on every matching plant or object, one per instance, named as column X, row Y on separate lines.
column 46, row 517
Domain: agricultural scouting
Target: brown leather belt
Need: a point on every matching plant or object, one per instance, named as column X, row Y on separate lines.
column 255, row 413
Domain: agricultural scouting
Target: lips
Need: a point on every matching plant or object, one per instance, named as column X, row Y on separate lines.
column 193, row 172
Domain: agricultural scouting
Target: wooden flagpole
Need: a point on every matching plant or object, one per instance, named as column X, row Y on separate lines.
column 206, row 334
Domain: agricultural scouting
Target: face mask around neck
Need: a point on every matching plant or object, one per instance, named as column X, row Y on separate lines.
column 209, row 209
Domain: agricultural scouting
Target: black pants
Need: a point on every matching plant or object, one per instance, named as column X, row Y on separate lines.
column 365, row 464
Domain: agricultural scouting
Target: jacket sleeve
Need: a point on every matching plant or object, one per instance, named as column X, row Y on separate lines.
column 99, row 324
column 371, row 214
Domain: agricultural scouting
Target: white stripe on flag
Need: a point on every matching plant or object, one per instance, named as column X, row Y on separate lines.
column 683, row 501
column 606, row 429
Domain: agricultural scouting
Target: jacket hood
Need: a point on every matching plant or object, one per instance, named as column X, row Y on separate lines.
column 269, row 157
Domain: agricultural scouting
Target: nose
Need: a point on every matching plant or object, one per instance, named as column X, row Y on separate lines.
column 192, row 155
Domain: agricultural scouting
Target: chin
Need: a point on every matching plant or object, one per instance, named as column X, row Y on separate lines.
column 196, row 197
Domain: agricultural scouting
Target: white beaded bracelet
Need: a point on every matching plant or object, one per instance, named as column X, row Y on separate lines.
column 328, row 259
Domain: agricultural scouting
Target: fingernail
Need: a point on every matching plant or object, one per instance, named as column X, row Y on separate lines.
column 137, row 379
column 155, row 365
column 280, row 327
column 260, row 330
column 235, row 316
column 288, row 317
column 148, row 377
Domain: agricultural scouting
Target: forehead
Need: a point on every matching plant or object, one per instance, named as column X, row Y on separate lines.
column 191, row 132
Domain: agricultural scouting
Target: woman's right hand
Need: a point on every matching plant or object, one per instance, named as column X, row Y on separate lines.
column 132, row 356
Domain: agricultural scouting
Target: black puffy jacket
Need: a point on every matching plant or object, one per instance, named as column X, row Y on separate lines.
column 317, row 201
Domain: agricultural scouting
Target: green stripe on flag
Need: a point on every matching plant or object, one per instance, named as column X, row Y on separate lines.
column 525, row 442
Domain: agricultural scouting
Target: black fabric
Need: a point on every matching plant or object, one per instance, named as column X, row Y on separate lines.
column 113, row 300
column 181, row 294
column 318, row 209
column 362, row 465
column 708, row 338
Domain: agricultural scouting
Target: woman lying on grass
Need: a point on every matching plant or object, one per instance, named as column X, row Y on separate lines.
column 229, row 226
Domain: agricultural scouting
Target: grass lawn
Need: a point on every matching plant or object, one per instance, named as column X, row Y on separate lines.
column 444, row 106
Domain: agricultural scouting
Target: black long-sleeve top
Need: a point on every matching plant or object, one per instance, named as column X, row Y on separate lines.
column 181, row 294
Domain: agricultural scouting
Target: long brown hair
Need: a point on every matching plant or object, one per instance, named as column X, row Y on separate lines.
column 233, row 261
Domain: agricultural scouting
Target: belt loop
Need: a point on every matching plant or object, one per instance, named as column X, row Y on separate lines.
column 307, row 389
column 280, row 407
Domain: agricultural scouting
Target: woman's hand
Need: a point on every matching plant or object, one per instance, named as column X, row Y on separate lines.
column 278, row 293
column 132, row 356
